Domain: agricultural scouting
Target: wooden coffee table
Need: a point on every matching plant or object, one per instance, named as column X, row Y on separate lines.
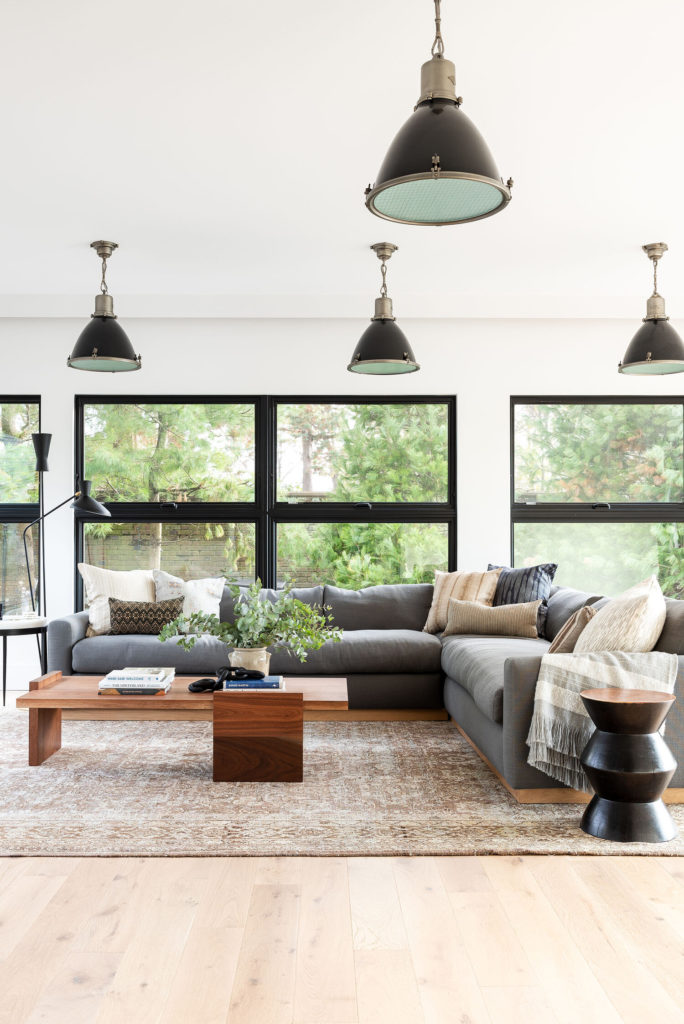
column 257, row 736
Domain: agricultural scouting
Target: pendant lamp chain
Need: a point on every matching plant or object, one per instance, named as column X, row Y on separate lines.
column 438, row 45
column 383, row 271
column 103, row 282
column 655, row 276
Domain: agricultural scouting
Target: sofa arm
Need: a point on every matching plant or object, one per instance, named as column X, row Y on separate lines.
column 62, row 635
column 520, row 681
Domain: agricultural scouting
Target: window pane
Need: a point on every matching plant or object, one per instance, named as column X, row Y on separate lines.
column 189, row 550
column 378, row 453
column 14, row 587
column 18, row 478
column 168, row 452
column 606, row 558
column 587, row 453
column 361, row 554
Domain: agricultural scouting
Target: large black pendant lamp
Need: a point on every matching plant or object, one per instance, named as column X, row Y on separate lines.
column 103, row 345
column 383, row 347
column 438, row 169
column 656, row 347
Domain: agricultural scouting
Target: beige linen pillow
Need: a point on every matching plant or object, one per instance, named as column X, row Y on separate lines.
column 633, row 621
column 198, row 595
column 568, row 635
column 463, row 586
column 101, row 584
column 483, row 620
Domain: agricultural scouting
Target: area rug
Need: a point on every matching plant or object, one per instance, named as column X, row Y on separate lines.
column 370, row 788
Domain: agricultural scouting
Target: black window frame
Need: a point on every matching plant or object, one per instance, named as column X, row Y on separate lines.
column 589, row 512
column 22, row 512
column 265, row 511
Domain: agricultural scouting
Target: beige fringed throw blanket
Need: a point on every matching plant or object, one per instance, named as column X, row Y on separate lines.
column 561, row 727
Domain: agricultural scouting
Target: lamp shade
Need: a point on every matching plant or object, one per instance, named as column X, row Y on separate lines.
column 383, row 348
column 104, row 345
column 656, row 348
column 41, row 445
column 438, row 170
column 89, row 506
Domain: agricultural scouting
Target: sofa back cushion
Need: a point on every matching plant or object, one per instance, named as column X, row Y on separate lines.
column 309, row 595
column 671, row 639
column 564, row 602
column 391, row 606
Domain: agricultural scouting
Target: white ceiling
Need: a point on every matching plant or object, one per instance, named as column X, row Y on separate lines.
column 226, row 147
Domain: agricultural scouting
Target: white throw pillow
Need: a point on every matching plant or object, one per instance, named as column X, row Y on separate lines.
column 101, row 584
column 633, row 621
column 199, row 595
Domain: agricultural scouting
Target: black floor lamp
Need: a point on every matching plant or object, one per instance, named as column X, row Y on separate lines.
column 80, row 500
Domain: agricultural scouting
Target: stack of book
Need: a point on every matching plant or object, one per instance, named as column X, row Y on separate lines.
column 267, row 683
column 146, row 682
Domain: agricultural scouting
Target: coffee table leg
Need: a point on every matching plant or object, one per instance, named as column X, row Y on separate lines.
column 45, row 734
column 258, row 737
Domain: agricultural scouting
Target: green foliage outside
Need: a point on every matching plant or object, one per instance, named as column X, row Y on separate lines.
column 18, row 477
column 602, row 453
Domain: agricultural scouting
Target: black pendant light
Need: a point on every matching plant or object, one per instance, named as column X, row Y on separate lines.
column 438, row 169
column 103, row 345
column 383, row 347
column 656, row 347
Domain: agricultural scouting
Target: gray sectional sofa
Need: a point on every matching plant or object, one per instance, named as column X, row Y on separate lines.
column 485, row 683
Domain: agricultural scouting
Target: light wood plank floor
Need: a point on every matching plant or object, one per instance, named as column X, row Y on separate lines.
column 501, row 940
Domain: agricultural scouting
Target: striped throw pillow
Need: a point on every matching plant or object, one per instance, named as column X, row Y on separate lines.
column 633, row 621
column 479, row 619
column 464, row 586
column 532, row 583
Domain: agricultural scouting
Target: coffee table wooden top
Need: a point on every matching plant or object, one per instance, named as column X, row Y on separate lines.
column 616, row 695
column 80, row 692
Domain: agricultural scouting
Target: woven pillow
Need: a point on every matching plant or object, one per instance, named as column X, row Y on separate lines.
column 464, row 586
column 146, row 617
column 633, row 621
column 568, row 635
column 532, row 583
column 101, row 584
column 507, row 620
column 197, row 595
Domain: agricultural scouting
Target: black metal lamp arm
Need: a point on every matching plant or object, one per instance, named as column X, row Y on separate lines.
column 38, row 520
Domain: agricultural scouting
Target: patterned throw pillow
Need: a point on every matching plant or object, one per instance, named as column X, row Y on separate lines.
column 464, row 586
column 146, row 617
column 533, row 583
column 479, row 619
column 568, row 635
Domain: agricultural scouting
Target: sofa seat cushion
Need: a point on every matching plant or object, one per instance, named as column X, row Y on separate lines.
column 361, row 651
column 100, row 654
column 366, row 651
column 477, row 664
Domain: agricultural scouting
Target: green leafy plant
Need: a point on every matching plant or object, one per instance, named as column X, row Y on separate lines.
column 286, row 622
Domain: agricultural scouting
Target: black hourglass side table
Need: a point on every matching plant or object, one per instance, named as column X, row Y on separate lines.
column 629, row 766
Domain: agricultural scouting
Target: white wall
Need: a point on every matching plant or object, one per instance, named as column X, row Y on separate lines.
column 482, row 361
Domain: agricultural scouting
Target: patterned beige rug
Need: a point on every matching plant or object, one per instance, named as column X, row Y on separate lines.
column 145, row 788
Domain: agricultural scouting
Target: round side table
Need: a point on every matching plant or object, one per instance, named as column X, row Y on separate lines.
column 629, row 766
column 38, row 630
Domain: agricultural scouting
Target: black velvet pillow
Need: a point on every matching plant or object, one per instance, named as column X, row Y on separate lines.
column 143, row 617
column 533, row 583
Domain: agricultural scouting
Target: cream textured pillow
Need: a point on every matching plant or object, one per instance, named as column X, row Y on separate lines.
column 568, row 635
column 199, row 595
column 483, row 620
column 633, row 621
column 101, row 584
column 463, row 586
